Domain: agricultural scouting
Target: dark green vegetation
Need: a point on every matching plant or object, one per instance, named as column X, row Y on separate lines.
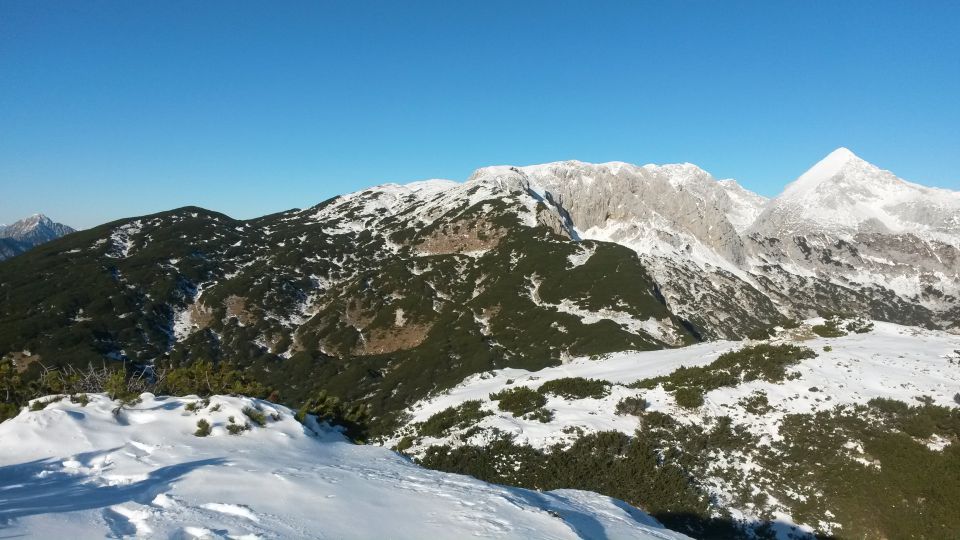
column 353, row 418
column 464, row 415
column 830, row 328
column 895, row 488
column 234, row 428
column 905, row 491
column 688, row 397
column 764, row 361
column 576, row 388
column 203, row 428
column 520, row 401
column 378, row 315
column 632, row 405
column 630, row 468
column 756, row 403
column 255, row 416
column 124, row 385
column 836, row 326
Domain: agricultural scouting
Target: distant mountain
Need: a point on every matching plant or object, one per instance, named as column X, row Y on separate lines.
column 28, row 233
column 843, row 196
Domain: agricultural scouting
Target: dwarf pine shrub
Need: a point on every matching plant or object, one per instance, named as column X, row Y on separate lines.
column 576, row 388
column 519, row 401
column 203, row 428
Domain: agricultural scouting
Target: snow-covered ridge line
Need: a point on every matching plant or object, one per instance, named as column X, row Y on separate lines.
column 80, row 471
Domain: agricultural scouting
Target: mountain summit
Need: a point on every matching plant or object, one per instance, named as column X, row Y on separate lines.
column 825, row 169
column 844, row 195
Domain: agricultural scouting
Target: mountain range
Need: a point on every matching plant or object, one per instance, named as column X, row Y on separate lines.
column 387, row 299
column 400, row 290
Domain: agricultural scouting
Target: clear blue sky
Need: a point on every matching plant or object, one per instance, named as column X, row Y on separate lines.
column 113, row 109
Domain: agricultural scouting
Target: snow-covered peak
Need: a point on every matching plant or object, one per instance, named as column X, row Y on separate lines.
column 501, row 177
column 840, row 162
column 76, row 470
column 843, row 194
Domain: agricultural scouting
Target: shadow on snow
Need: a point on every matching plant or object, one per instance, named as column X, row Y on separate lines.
column 44, row 486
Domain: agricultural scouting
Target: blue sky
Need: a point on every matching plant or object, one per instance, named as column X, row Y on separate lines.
column 114, row 109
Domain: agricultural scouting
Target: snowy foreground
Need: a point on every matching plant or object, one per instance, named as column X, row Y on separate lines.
column 72, row 471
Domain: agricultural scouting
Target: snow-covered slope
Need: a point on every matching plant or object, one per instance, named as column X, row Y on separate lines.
column 73, row 471
column 890, row 361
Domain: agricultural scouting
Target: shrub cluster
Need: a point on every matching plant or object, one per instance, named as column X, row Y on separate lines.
column 123, row 383
column 576, row 388
column 634, row 405
column 903, row 490
column 234, row 428
column 689, row 397
column 204, row 378
column 464, row 415
column 255, row 415
column 354, row 419
column 830, row 328
column 203, row 428
column 633, row 469
column 765, row 361
column 520, row 401
column 756, row 403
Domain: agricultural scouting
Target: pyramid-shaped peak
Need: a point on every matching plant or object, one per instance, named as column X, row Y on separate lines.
column 830, row 166
column 842, row 153
column 833, row 162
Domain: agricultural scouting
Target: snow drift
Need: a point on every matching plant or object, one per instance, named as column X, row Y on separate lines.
column 80, row 471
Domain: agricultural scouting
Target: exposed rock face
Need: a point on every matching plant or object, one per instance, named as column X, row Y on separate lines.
column 683, row 223
column 845, row 236
column 657, row 209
